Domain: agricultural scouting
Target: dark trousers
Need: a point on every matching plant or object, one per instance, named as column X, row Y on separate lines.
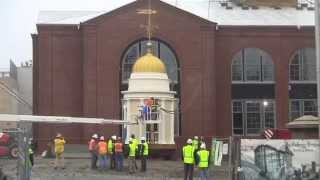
column 31, row 159
column 94, row 159
column 112, row 161
column 143, row 163
column 188, row 171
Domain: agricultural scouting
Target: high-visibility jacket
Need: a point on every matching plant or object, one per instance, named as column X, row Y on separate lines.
column 110, row 146
column 145, row 149
column 118, row 147
column 59, row 145
column 135, row 142
column 188, row 154
column 203, row 158
column 132, row 150
column 30, row 151
column 102, row 147
column 92, row 145
column 195, row 144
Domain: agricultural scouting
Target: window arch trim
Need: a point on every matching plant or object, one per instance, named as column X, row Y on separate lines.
column 301, row 76
column 262, row 53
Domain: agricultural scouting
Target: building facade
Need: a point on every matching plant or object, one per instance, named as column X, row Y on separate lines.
column 236, row 69
column 15, row 92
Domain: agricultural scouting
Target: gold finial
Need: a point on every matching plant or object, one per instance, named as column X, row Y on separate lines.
column 149, row 27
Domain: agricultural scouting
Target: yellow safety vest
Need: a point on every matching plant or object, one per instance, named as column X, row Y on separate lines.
column 132, row 150
column 59, row 145
column 204, row 158
column 146, row 149
column 195, row 144
column 188, row 154
column 110, row 146
column 135, row 142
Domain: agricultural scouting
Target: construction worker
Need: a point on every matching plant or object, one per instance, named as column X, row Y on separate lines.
column 102, row 150
column 132, row 156
column 188, row 156
column 93, row 149
column 143, row 153
column 119, row 149
column 202, row 159
column 195, row 143
column 135, row 142
column 111, row 153
column 59, row 143
column 32, row 149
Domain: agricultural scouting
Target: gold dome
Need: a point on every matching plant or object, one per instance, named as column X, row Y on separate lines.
column 149, row 63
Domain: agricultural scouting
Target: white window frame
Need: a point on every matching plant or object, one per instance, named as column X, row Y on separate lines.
column 244, row 69
column 244, row 114
column 301, row 68
column 301, row 107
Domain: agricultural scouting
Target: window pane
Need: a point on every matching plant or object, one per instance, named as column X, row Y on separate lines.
column 130, row 58
column 267, row 67
column 310, row 107
column 144, row 48
column 252, row 61
column 170, row 61
column 295, row 68
column 295, row 109
column 237, row 118
column 303, row 65
column 253, row 118
column 309, row 64
column 269, row 115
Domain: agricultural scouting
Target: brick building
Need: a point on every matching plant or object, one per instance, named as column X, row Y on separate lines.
column 238, row 68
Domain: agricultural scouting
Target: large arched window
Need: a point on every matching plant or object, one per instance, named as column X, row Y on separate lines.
column 252, row 65
column 160, row 49
column 303, row 86
column 253, row 98
column 303, row 65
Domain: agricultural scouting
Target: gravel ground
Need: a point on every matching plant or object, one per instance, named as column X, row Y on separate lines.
column 79, row 169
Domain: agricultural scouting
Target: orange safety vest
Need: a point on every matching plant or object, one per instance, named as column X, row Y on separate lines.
column 103, row 147
column 92, row 145
column 118, row 147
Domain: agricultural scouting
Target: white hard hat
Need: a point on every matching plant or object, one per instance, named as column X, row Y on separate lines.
column 189, row 141
column 102, row 138
column 203, row 146
column 95, row 136
column 143, row 138
column 114, row 137
column 196, row 137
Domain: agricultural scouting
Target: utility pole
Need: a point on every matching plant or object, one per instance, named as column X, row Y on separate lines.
column 317, row 35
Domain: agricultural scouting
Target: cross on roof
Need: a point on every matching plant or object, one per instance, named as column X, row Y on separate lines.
column 149, row 27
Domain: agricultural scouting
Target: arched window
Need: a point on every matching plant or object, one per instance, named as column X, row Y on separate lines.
column 252, row 65
column 303, row 65
column 303, row 85
column 160, row 49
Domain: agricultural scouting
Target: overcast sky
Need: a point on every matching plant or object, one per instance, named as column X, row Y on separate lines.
column 18, row 19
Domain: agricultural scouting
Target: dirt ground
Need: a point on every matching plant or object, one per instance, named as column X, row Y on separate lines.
column 79, row 169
